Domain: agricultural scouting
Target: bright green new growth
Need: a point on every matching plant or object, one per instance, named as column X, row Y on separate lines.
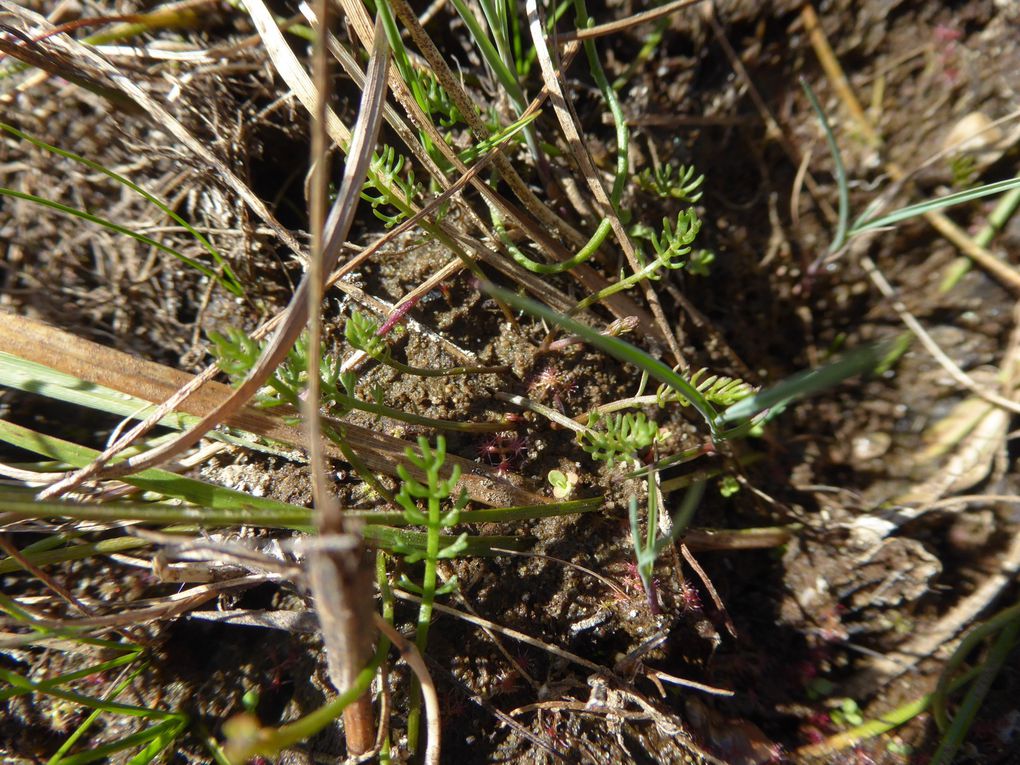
column 236, row 353
column 621, row 437
column 386, row 174
column 435, row 492
column 160, row 729
column 672, row 181
column 647, row 548
column 671, row 247
column 718, row 390
column 674, row 243
column 362, row 332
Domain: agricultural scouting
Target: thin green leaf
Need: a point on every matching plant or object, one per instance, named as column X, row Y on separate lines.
column 69, row 677
column 162, row 733
column 614, row 347
column 78, row 552
column 840, row 171
column 230, row 280
column 912, row 211
column 108, row 224
column 808, row 382
column 480, row 546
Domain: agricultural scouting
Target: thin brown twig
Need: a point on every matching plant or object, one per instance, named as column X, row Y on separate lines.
column 567, row 117
column 612, row 27
column 707, row 582
column 409, row 653
column 542, row 645
column 8, row 547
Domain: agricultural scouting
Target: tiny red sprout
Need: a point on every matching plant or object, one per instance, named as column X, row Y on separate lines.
column 278, row 675
column 399, row 313
column 688, row 598
column 945, row 34
column 551, row 381
column 821, row 721
column 503, row 449
column 812, row 735
column 507, row 683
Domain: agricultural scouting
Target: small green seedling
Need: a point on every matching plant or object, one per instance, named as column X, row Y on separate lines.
column 620, row 438
column 435, row 492
column 562, row 483
column 672, row 181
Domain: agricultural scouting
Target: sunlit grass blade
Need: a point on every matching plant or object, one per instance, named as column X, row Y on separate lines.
column 108, row 224
column 482, row 148
column 229, row 280
column 614, row 347
column 912, row 211
column 14, row 679
column 110, row 546
column 68, row 677
column 809, row 382
column 839, row 170
column 157, row 737
column 32, row 377
column 392, row 539
column 218, row 506
column 209, row 496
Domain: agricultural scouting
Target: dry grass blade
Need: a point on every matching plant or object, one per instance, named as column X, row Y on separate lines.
column 84, row 56
column 467, row 108
column 50, row 60
column 619, row 304
column 569, row 124
column 613, row 27
column 172, row 605
column 409, row 653
column 155, row 382
column 77, row 51
column 340, row 579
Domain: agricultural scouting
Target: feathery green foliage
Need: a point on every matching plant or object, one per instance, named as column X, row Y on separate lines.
column 435, row 492
column 672, row 181
column 618, row 437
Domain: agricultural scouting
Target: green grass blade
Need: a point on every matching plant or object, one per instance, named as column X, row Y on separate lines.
column 912, row 211
column 840, row 170
column 86, row 701
column 87, row 723
column 78, row 552
column 108, row 224
column 614, row 347
column 808, row 382
column 162, row 738
column 506, row 78
column 390, row 538
column 162, row 733
column 976, row 694
column 32, row 377
column 69, row 677
column 229, row 280
column 472, row 153
column 259, row 512
column 163, row 482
